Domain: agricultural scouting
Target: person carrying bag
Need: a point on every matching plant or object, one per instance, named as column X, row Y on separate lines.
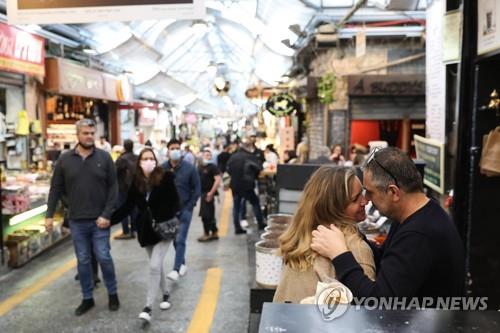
column 154, row 193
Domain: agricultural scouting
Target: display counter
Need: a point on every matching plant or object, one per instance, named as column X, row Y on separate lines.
column 300, row 318
column 23, row 233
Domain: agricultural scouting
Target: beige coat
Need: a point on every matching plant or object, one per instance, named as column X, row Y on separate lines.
column 295, row 286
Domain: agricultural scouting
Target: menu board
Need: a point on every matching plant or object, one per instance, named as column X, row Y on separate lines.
column 432, row 152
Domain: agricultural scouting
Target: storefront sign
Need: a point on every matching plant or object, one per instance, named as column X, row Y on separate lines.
column 488, row 26
column 281, row 105
column 81, row 11
column 387, row 85
column 65, row 77
column 432, row 152
column 21, row 51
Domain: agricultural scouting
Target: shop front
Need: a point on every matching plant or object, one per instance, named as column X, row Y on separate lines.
column 75, row 92
column 23, row 178
column 387, row 108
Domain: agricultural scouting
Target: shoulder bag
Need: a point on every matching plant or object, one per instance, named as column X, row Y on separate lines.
column 166, row 230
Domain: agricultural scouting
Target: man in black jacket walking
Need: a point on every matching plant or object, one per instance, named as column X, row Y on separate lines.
column 125, row 171
column 86, row 176
column 244, row 168
column 422, row 255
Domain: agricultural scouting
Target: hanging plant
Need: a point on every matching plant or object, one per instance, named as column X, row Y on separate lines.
column 326, row 88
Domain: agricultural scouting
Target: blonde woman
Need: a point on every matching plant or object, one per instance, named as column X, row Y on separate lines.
column 333, row 195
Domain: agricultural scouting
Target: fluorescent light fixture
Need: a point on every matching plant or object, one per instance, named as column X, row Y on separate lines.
column 27, row 215
column 90, row 51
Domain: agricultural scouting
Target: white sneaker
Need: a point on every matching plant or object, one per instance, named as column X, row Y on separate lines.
column 244, row 224
column 165, row 304
column 183, row 270
column 145, row 314
column 173, row 275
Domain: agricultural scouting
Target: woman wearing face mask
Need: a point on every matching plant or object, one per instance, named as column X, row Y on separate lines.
column 152, row 188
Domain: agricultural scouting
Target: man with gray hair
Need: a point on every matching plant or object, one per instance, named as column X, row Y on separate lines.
column 422, row 255
column 86, row 177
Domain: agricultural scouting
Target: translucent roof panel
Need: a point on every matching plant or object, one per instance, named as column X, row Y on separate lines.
column 242, row 41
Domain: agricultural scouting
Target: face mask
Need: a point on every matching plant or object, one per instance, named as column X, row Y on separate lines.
column 148, row 166
column 206, row 162
column 175, row 154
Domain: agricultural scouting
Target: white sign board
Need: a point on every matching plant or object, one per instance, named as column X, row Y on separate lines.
column 435, row 81
column 83, row 11
column 488, row 25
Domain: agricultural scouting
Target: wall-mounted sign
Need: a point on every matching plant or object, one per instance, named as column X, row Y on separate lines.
column 80, row 11
column 387, row 85
column 281, row 105
column 432, row 152
column 68, row 78
column 488, row 26
column 452, row 36
column 435, row 71
column 21, row 51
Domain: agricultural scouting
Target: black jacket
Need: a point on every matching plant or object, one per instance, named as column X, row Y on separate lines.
column 163, row 203
column 421, row 257
column 244, row 168
column 125, row 170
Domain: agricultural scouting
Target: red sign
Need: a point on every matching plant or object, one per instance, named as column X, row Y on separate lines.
column 21, row 51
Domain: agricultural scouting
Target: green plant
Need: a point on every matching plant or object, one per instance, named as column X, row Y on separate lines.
column 326, row 88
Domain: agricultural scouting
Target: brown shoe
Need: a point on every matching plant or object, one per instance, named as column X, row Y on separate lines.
column 124, row 236
column 214, row 236
column 204, row 238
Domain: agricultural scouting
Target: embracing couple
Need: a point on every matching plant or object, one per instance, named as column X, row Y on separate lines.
column 422, row 256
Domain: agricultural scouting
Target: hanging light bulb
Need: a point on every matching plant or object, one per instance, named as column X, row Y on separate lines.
column 220, row 83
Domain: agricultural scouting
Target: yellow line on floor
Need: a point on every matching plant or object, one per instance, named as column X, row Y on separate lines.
column 40, row 284
column 205, row 310
column 27, row 292
column 225, row 215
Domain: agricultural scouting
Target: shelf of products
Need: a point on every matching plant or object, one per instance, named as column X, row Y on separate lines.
column 24, row 198
column 60, row 136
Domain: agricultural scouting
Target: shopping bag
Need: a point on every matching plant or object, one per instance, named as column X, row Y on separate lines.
column 490, row 156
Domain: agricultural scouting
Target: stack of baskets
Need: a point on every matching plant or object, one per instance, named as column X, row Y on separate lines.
column 267, row 259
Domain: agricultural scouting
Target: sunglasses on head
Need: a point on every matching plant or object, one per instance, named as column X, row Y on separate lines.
column 373, row 157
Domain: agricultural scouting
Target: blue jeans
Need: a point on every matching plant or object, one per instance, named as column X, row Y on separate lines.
column 180, row 241
column 251, row 197
column 87, row 235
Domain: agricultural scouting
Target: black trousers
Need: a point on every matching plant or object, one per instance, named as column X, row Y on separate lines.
column 207, row 213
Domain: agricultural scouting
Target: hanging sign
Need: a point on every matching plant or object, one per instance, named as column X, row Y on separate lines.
column 432, row 152
column 81, row 11
column 281, row 105
column 21, row 51
column 360, row 43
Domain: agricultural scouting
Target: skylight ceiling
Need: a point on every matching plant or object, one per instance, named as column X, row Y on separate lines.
column 239, row 40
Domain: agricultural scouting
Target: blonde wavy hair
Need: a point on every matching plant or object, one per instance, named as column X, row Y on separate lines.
column 324, row 200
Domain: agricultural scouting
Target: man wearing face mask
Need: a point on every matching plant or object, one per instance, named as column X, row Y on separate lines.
column 210, row 182
column 187, row 183
column 86, row 177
